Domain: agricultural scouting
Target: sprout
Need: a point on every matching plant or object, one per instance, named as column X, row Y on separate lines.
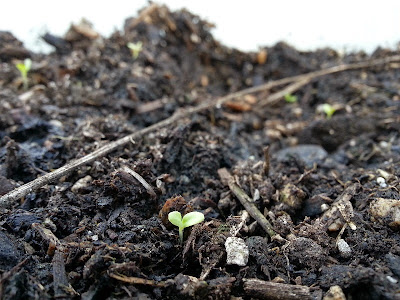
column 328, row 109
column 188, row 220
column 135, row 48
column 24, row 68
column 289, row 98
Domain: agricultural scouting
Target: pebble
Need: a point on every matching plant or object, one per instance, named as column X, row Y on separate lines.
column 237, row 252
column 344, row 248
column 309, row 154
column 381, row 181
column 386, row 211
column 335, row 293
column 81, row 184
column 391, row 279
column 292, row 196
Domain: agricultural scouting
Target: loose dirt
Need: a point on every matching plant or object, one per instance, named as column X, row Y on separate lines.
column 327, row 185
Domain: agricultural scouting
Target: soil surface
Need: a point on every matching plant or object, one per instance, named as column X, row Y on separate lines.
column 328, row 185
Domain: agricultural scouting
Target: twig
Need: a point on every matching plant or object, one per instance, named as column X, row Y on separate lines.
column 10, row 198
column 307, row 173
column 246, row 201
column 139, row 178
column 62, row 288
column 276, row 97
column 266, row 164
column 48, row 235
column 136, row 280
column 272, row 290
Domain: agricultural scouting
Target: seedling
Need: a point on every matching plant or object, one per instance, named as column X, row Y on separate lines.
column 24, row 68
column 136, row 48
column 328, row 109
column 188, row 220
column 289, row 98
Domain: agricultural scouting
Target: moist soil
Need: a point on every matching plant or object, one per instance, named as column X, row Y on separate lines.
column 329, row 185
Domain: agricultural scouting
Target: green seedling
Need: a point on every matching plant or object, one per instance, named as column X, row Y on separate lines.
column 289, row 98
column 328, row 109
column 188, row 220
column 135, row 48
column 24, row 68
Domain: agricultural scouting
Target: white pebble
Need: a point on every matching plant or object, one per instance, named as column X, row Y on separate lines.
column 237, row 252
column 344, row 248
column 391, row 279
column 381, row 181
column 81, row 184
column 324, row 207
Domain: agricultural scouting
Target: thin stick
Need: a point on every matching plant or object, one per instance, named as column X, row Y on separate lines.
column 10, row 198
column 272, row 290
column 246, row 201
column 140, row 179
column 136, row 280
column 276, row 97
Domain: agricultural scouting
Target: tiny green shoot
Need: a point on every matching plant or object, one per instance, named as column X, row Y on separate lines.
column 328, row 109
column 135, row 48
column 289, row 98
column 188, row 220
column 24, row 68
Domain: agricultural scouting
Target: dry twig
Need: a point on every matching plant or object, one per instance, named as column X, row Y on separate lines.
column 246, row 201
column 139, row 178
column 136, row 280
column 271, row 290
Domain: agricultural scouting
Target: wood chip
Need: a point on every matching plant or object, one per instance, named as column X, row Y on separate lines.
column 275, row 291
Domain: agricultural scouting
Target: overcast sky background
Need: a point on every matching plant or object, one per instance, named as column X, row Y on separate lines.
column 307, row 25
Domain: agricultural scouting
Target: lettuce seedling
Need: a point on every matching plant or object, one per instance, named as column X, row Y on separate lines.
column 328, row 109
column 289, row 98
column 136, row 48
column 188, row 220
column 24, row 68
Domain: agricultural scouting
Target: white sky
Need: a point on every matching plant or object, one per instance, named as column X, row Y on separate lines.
column 307, row 24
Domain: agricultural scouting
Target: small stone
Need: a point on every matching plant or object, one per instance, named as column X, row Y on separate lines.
column 391, row 279
column 81, row 184
column 292, row 196
column 324, row 207
column 237, row 251
column 308, row 154
column 381, row 181
column 344, row 248
column 335, row 293
column 386, row 211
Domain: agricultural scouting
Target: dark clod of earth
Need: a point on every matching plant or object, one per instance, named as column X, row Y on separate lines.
column 326, row 186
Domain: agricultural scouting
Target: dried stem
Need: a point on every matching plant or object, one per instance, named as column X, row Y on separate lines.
column 246, row 201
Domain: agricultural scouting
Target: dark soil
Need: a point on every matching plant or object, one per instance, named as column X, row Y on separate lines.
column 98, row 232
